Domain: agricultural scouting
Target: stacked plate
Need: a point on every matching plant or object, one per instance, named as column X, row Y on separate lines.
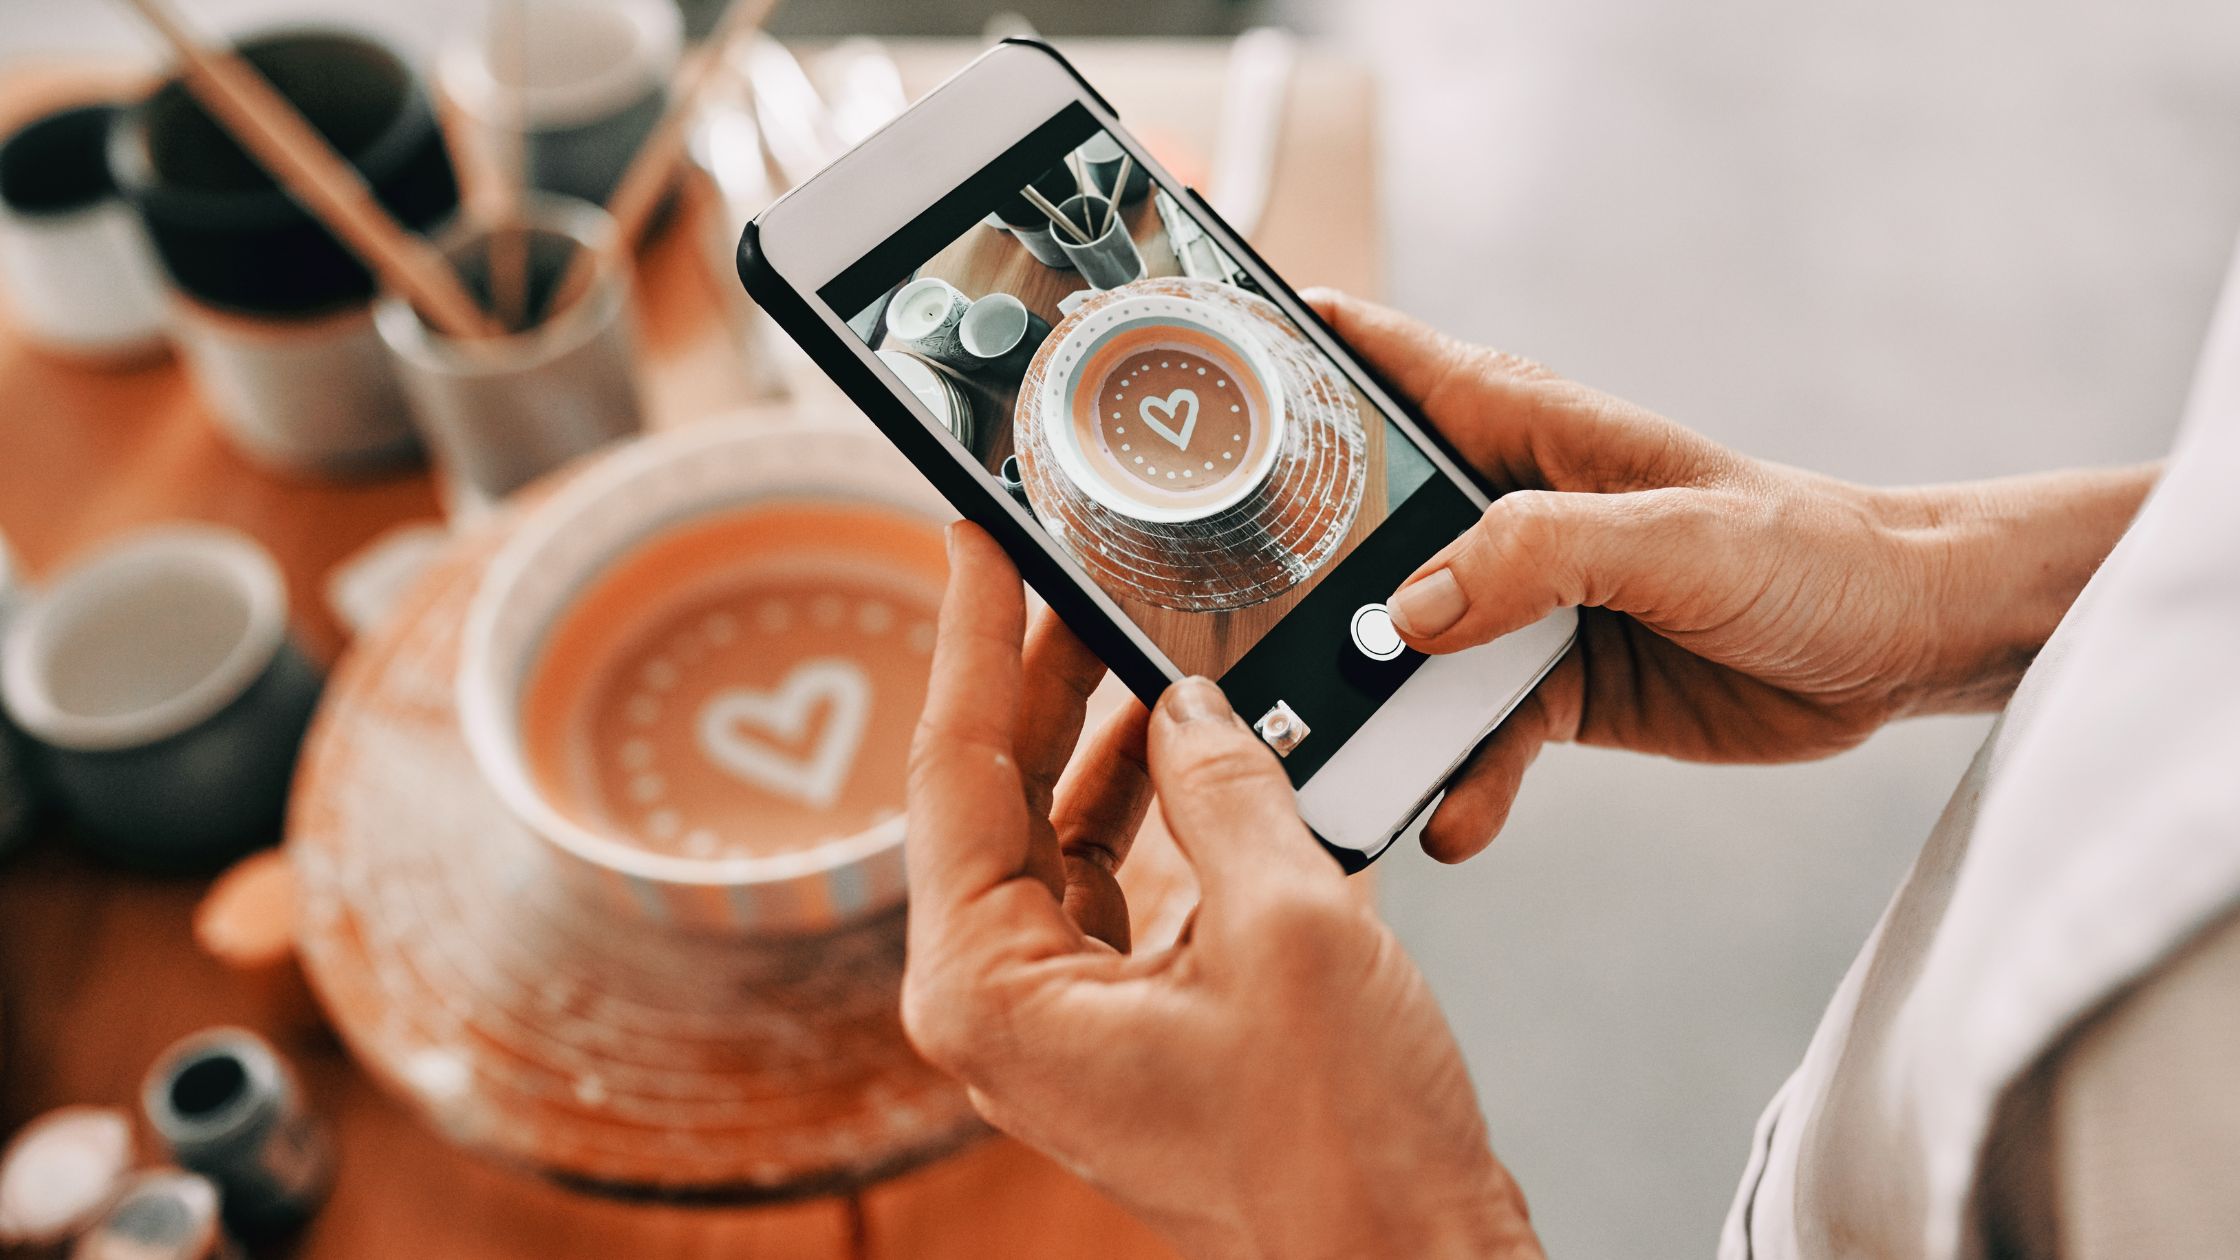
column 1246, row 554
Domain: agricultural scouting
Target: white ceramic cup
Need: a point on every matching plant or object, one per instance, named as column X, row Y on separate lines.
column 1001, row 333
column 1062, row 376
column 79, row 276
column 927, row 315
column 578, row 90
column 160, row 681
column 560, row 549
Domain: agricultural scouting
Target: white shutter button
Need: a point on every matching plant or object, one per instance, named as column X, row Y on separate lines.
column 1373, row 633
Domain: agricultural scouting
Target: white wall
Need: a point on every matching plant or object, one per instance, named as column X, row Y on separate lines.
column 1897, row 241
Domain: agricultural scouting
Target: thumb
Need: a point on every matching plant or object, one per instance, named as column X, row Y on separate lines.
column 1226, row 799
column 1535, row 551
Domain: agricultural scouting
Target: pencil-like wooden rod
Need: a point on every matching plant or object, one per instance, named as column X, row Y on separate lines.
column 1086, row 185
column 1057, row 216
column 638, row 194
column 1119, row 188
column 330, row 188
column 508, row 24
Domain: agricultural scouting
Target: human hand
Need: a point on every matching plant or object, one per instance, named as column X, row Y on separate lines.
column 1731, row 609
column 1280, row 1081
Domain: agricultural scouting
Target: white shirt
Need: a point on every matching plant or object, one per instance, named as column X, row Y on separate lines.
column 2096, row 833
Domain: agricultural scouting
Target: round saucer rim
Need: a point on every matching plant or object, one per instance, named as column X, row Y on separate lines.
column 493, row 741
column 1073, row 462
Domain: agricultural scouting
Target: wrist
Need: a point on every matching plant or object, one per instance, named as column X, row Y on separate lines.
column 1481, row 1216
column 1997, row 564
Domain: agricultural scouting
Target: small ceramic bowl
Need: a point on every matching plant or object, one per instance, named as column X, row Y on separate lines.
column 560, row 550
column 168, row 700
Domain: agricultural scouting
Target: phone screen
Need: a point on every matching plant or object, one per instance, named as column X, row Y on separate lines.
column 1170, row 429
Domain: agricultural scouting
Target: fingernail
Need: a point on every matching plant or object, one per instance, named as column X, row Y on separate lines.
column 1430, row 606
column 1197, row 700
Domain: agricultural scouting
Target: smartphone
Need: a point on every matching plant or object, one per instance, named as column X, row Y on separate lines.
column 1182, row 459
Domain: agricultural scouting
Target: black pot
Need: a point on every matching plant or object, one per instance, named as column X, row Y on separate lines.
column 226, row 234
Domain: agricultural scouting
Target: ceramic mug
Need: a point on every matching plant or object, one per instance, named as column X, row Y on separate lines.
column 1163, row 409
column 272, row 314
column 1109, row 258
column 694, row 669
column 575, row 93
column 165, row 695
column 18, row 801
column 1002, row 334
column 1031, row 226
column 80, row 279
column 504, row 411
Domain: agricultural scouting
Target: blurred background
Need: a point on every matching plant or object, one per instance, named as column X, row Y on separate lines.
column 1901, row 241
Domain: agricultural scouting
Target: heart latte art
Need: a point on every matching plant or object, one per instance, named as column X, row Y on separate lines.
column 745, row 685
column 1173, row 417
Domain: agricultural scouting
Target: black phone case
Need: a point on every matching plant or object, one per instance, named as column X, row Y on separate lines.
column 978, row 500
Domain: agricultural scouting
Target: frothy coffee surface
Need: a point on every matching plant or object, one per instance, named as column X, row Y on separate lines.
column 1174, row 416
column 743, row 685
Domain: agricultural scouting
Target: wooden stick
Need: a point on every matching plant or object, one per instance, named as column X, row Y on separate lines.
column 1119, row 186
column 1087, row 185
column 313, row 173
column 638, row 194
column 1058, row 217
column 509, row 236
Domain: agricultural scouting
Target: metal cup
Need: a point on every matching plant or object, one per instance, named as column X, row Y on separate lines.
column 1110, row 259
column 498, row 413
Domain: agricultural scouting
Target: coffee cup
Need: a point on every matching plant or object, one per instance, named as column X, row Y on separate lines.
column 1163, row 409
column 694, row 669
column 503, row 411
column 167, row 700
column 1001, row 334
column 574, row 91
column 79, row 277
column 272, row 314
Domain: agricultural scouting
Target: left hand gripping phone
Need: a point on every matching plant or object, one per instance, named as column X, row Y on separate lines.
column 1181, row 458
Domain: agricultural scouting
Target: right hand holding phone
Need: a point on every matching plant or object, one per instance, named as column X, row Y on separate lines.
column 1732, row 610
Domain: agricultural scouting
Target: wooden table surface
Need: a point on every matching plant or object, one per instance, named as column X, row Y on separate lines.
column 97, row 968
